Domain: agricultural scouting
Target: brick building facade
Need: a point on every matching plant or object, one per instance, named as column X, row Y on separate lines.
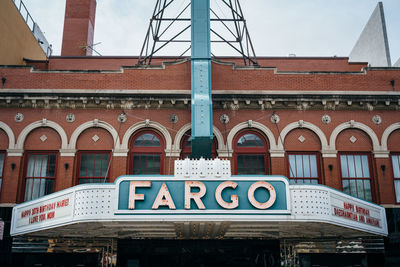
column 75, row 119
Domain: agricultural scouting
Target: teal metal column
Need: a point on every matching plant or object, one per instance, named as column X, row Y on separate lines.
column 202, row 133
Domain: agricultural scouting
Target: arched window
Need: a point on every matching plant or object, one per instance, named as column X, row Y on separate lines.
column 355, row 158
column 250, row 153
column 186, row 146
column 356, row 175
column 303, row 148
column 394, row 148
column 147, row 150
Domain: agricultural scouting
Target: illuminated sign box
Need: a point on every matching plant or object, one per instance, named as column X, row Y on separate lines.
column 171, row 195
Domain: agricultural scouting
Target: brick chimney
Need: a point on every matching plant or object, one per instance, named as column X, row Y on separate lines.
column 78, row 27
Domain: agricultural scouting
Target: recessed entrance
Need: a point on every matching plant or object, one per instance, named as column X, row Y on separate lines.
column 198, row 253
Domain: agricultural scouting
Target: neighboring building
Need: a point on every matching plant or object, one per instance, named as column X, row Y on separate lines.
column 397, row 64
column 21, row 36
column 79, row 119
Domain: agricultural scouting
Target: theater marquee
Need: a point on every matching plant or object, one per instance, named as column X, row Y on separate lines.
column 170, row 195
column 202, row 200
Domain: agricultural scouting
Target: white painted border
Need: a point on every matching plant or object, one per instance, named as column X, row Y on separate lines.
column 147, row 125
column 10, row 134
column 39, row 124
column 253, row 125
column 222, row 211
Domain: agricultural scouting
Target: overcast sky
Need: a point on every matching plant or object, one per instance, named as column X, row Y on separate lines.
column 277, row 27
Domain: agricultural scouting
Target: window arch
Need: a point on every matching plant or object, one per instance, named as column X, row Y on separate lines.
column 250, row 153
column 394, row 147
column 147, row 153
column 186, row 146
column 303, row 148
column 356, row 166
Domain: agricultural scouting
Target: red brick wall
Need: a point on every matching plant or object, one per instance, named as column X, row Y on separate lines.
column 177, row 77
column 33, row 141
column 362, row 143
column 3, row 140
column 311, row 141
column 394, row 141
column 78, row 27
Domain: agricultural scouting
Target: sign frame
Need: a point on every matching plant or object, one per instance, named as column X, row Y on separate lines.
column 218, row 212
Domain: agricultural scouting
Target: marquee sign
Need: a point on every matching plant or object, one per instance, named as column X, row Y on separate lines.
column 202, row 192
column 170, row 195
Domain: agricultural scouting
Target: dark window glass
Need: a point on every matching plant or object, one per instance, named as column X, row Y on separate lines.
column 147, row 153
column 356, row 179
column 250, row 164
column 146, row 164
column 303, row 169
column 40, row 175
column 147, row 140
column 250, row 140
column 396, row 175
column 250, row 154
column 93, row 168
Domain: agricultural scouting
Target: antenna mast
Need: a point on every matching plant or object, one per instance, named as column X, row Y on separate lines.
column 171, row 23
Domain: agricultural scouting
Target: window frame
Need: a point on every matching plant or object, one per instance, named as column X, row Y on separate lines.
column 146, row 150
column 370, row 169
column 251, row 150
column 25, row 170
column 392, row 172
column 90, row 152
column 318, row 159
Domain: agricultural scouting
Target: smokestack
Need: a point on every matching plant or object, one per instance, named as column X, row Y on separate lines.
column 78, row 28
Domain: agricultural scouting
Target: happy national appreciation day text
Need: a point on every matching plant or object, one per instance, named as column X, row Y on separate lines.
column 44, row 212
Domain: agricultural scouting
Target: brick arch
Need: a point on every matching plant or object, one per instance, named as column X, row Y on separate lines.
column 309, row 141
column 251, row 125
column 147, row 125
column 393, row 143
column 51, row 140
column 184, row 129
column 387, row 135
column 10, row 134
column 93, row 124
column 37, row 124
column 362, row 143
column 4, row 141
column 306, row 125
column 354, row 125
column 86, row 142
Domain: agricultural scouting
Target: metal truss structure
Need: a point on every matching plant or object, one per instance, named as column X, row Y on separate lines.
column 228, row 26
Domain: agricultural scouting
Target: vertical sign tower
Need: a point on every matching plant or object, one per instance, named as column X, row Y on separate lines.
column 202, row 122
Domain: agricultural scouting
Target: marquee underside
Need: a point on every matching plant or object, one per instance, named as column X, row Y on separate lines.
column 201, row 230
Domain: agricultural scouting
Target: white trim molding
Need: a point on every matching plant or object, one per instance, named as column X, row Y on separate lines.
column 387, row 133
column 39, row 124
column 147, row 124
column 10, row 134
column 92, row 124
column 307, row 125
column 252, row 125
column 377, row 149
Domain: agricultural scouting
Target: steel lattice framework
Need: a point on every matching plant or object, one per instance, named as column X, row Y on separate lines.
column 228, row 26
